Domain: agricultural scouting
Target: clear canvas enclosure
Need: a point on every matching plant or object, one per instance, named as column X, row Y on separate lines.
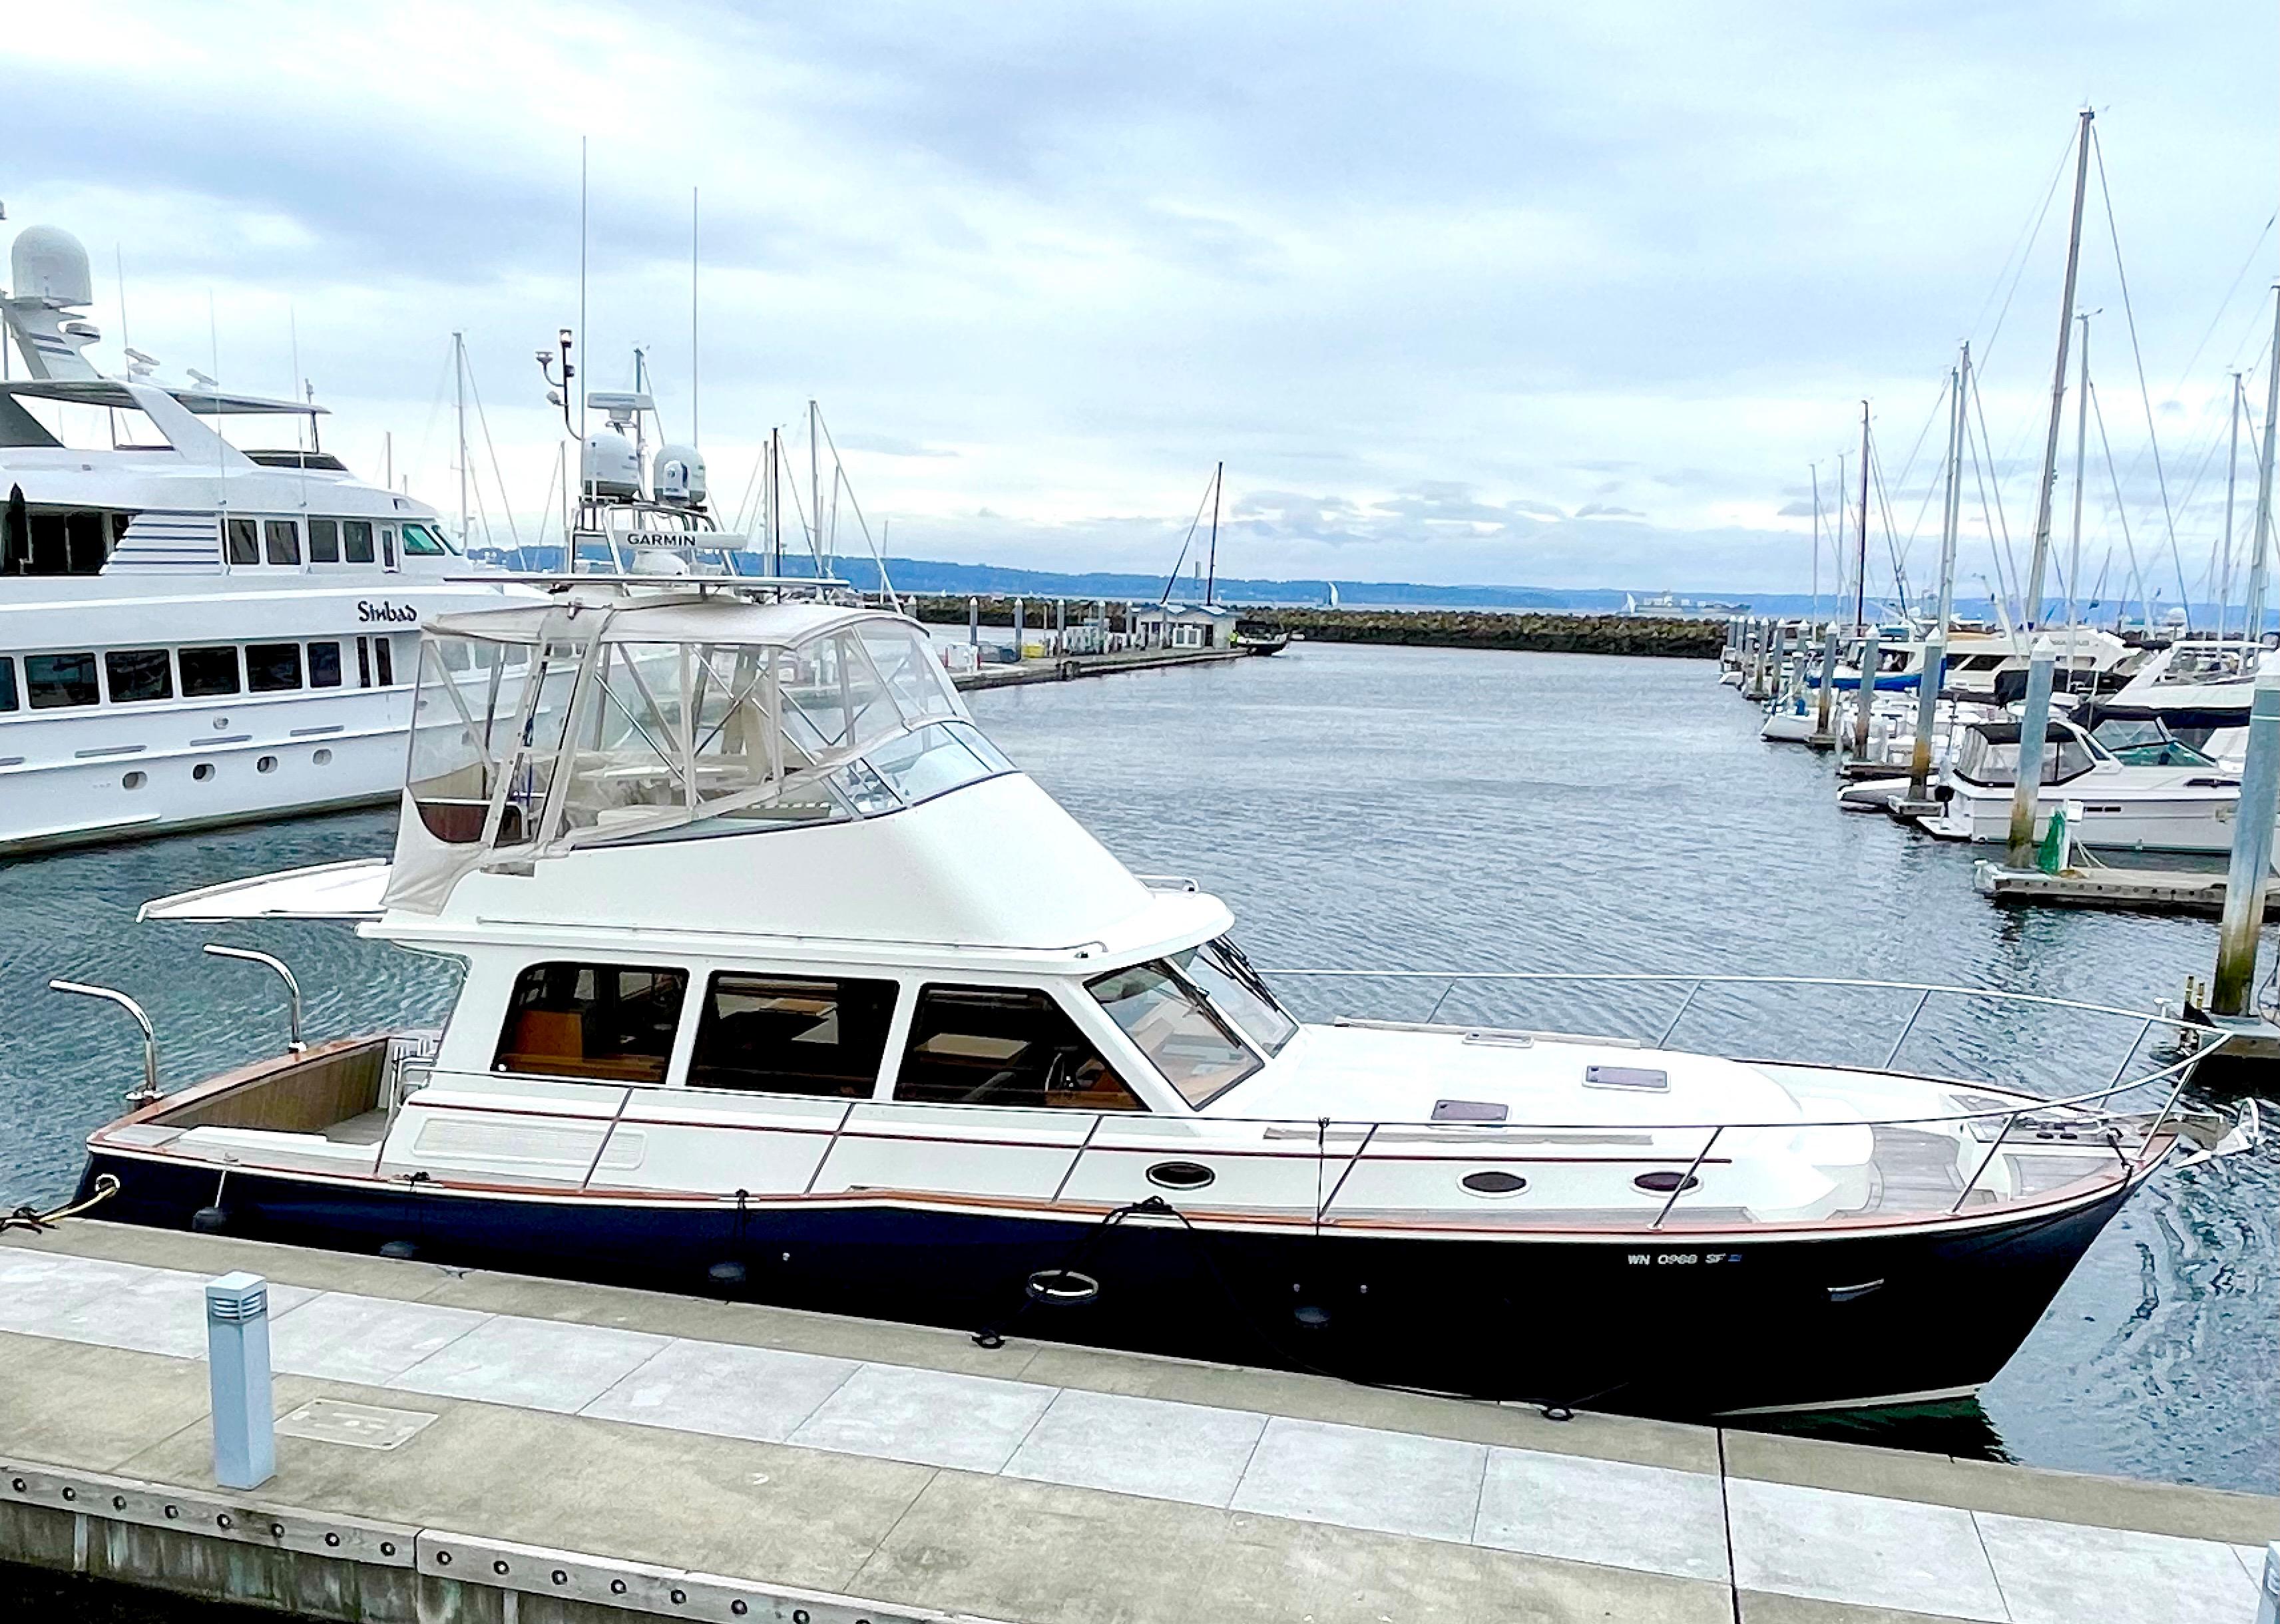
column 576, row 725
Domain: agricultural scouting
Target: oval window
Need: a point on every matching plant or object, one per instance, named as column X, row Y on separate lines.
column 1181, row 1175
column 134, row 780
column 203, row 771
column 267, row 764
column 323, row 757
column 1663, row 1182
column 1493, row 1181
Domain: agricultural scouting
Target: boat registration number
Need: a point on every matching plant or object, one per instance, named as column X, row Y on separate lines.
column 1655, row 1259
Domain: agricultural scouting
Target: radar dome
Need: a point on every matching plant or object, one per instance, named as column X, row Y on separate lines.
column 679, row 475
column 609, row 464
column 47, row 263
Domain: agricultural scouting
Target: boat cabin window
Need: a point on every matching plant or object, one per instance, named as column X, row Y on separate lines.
column 210, row 672
column 284, row 538
column 2147, row 744
column 55, row 682
column 1225, row 976
column 272, row 667
column 420, row 542
column 792, row 1034
column 356, row 541
column 138, row 674
column 324, row 541
column 245, row 541
column 7, row 683
column 1004, row 1046
column 612, row 1022
column 324, row 665
column 1196, row 1052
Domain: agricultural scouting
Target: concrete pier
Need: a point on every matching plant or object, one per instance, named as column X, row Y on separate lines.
column 461, row 1448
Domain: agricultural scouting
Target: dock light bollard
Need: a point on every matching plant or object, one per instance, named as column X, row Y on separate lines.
column 2251, row 865
column 2034, row 728
column 237, row 1366
column 1019, row 617
column 1864, row 697
column 973, row 622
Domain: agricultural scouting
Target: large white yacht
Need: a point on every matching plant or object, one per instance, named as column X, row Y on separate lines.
column 781, row 982
column 190, row 632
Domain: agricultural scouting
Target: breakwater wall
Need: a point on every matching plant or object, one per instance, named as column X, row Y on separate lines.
column 1672, row 637
column 1558, row 633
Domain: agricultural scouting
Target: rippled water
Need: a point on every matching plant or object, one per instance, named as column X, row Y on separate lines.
column 1420, row 809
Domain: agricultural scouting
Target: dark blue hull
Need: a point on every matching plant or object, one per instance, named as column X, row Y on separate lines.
column 1664, row 1325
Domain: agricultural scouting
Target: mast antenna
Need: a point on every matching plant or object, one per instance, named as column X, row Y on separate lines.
column 693, row 400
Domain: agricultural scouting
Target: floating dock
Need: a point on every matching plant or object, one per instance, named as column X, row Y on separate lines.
column 458, row 1447
column 1068, row 667
column 2149, row 891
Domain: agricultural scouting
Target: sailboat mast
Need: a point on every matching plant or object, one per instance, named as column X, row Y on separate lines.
column 2081, row 453
column 1951, row 522
column 1836, row 534
column 1814, row 470
column 2231, row 484
column 1211, row 581
column 2039, row 558
column 1860, row 537
column 460, row 387
column 2254, row 626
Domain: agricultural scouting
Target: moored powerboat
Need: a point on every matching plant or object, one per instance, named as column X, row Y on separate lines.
column 781, row 982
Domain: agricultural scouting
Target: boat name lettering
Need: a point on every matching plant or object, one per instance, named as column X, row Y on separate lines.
column 395, row 615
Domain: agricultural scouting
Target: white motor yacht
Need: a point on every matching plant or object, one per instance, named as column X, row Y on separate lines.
column 2148, row 791
column 190, row 634
column 781, row 982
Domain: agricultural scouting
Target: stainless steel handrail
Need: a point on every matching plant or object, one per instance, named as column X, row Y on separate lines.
column 293, row 1043
column 149, row 1090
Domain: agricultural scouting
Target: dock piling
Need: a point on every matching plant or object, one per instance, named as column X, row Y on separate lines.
column 2251, row 853
column 1823, row 726
column 1928, row 686
column 2034, row 728
column 1864, row 697
column 237, row 1369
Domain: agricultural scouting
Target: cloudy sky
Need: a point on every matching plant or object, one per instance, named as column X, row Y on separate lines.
column 1534, row 294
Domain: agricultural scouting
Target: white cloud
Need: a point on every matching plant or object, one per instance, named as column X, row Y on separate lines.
column 1536, row 294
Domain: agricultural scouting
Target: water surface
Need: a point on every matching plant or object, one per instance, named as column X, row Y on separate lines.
column 1418, row 808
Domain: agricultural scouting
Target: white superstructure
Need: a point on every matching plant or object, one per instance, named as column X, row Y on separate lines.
column 190, row 632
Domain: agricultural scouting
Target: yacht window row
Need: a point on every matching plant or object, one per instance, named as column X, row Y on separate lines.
column 79, row 679
column 329, row 541
column 1201, row 1018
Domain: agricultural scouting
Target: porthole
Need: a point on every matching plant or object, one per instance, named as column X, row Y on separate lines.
column 203, row 771
column 135, row 780
column 1181, row 1175
column 1494, row 1181
column 267, row 764
column 323, row 757
column 1663, row 1181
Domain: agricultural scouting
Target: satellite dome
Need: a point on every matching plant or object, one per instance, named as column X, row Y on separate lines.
column 47, row 263
column 679, row 475
column 609, row 464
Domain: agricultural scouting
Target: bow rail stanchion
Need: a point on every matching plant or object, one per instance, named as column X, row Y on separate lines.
column 149, row 1090
column 293, row 1043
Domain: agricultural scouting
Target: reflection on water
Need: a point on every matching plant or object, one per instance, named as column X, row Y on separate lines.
column 1425, row 808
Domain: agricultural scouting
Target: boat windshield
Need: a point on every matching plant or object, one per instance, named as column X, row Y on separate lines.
column 1197, row 1053
column 1222, row 974
column 2147, row 744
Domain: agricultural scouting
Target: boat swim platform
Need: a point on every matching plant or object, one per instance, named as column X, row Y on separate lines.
column 2146, row 890
column 458, row 1447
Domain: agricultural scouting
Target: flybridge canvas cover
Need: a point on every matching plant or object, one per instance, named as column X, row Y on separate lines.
column 349, row 890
